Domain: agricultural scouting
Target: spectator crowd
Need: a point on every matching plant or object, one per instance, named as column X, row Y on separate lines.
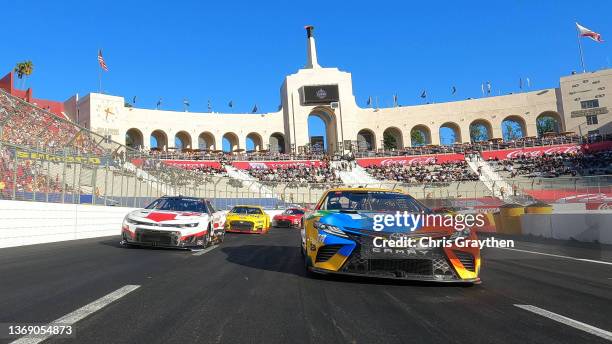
column 424, row 173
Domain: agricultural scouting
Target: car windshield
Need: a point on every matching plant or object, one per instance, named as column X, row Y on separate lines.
column 246, row 211
column 294, row 212
column 372, row 201
column 179, row 204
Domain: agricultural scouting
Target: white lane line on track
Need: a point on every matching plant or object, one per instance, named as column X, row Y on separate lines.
column 568, row 321
column 206, row 250
column 81, row 313
column 558, row 256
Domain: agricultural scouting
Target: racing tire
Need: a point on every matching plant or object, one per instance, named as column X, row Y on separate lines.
column 207, row 239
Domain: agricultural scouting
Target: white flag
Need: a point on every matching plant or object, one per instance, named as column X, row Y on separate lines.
column 584, row 32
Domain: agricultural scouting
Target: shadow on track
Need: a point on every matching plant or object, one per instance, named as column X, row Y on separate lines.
column 287, row 259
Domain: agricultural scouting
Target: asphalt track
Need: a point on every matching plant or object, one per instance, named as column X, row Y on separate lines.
column 253, row 289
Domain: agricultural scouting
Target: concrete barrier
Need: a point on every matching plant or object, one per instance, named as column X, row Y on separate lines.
column 27, row 223
column 582, row 226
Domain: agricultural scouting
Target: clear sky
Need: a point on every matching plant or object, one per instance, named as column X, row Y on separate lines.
column 241, row 50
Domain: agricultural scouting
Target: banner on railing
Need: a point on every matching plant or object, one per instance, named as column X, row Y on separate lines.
column 505, row 154
column 595, row 195
column 245, row 165
column 71, row 159
column 410, row 160
column 189, row 164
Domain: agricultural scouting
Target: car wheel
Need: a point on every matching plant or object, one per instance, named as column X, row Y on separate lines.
column 221, row 237
column 207, row 239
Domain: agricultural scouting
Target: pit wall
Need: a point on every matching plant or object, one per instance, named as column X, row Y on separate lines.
column 592, row 226
column 28, row 223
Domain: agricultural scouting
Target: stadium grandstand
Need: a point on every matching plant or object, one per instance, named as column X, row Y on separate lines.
column 94, row 149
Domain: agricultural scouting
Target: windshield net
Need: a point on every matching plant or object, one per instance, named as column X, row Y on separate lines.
column 371, row 201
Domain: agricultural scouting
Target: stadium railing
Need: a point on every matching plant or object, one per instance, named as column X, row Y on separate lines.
column 67, row 177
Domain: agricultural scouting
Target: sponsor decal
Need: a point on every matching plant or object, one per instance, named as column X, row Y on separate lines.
column 275, row 164
column 61, row 158
column 160, row 217
column 410, row 160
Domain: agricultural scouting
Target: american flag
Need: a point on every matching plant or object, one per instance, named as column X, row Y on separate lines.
column 101, row 61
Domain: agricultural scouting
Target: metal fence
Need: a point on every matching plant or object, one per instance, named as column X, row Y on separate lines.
column 69, row 177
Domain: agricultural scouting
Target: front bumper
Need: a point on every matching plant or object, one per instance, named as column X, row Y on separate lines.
column 423, row 278
column 241, row 226
column 285, row 223
column 154, row 238
column 419, row 264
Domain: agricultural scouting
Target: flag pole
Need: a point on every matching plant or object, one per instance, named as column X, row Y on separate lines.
column 100, row 79
column 580, row 49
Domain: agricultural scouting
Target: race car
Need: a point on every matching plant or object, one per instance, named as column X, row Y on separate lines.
column 291, row 217
column 247, row 219
column 344, row 235
column 174, row 221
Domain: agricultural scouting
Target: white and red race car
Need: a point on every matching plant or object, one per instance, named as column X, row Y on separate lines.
column 174, row 221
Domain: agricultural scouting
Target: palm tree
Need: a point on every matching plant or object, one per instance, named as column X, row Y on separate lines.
column 22, row 69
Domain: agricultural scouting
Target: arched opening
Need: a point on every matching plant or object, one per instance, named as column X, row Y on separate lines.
column 230, row 142
column 420, row 135
column 548, row 122
column 322, row 133
column 366, row 140
column 277, row 143
column 159, row 140
column 134, row 139
column 206, row 140
column 513, row 127
column 253, row 142
column 480, row 130
column 182, row 140
column 450, row 133
column 392, row 139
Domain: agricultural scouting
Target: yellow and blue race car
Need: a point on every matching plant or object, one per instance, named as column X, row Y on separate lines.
column 247, row 219
column 354, row 231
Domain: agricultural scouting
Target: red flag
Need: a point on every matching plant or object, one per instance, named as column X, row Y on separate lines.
column 584, row 32
column 101, row 61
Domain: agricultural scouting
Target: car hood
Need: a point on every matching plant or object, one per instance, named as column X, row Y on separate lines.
column 166, row 216
column 365, row 221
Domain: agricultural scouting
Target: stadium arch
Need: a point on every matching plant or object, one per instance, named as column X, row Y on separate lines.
column 480, row 130
column 453, row 129
column 230, row 142
column 182, row 140
column 513, row 127
column 420, row 135
column 366, row 140
column 206, row 141
column 549, row 121
column 328, row 117
column 277, row 143
column 255, row 140
column 393, row 139
column 160, row 138
column 134, row 138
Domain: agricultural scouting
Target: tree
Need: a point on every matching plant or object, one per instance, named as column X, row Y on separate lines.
column 547, row 124
column 22, row 69
column 511, row 130
column 417, row 138
column 389, row 141
column 478, row 133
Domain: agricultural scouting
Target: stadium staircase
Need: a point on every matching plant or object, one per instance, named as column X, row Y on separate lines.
column 254, row 185
column 491, row 179
column 357, row 176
